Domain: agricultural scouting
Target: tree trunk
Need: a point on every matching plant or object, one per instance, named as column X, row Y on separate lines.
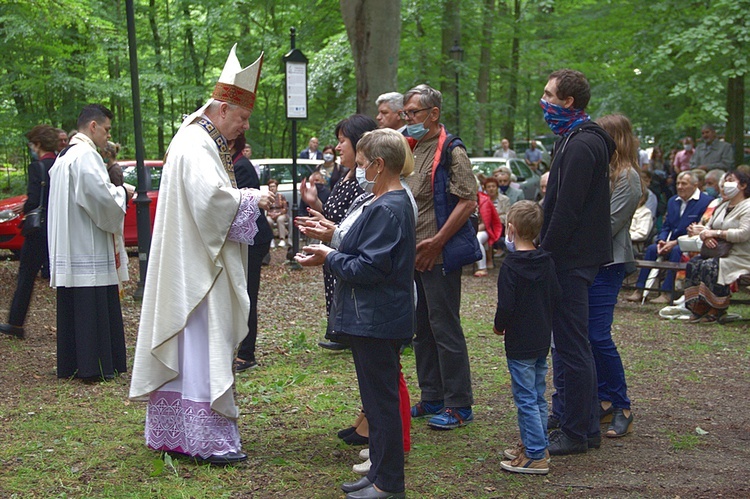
column 736, row 117
column 193, row 54
column 483, row 82
column 159, row 69
column 509, row 127
column 117, row 105
column 451, row 34
column 374, row 32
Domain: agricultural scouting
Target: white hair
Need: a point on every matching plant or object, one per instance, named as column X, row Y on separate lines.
column 394, row 100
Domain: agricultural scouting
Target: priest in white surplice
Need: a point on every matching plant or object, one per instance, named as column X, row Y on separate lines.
column 195, row 303
column 86, row 213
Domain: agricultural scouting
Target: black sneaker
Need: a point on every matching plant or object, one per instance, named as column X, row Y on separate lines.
column 243, row 365
column 595, row 441
column 560, row 444
column 552, row 423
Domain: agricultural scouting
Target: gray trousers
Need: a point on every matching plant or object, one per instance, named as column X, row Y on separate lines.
column 440, row 345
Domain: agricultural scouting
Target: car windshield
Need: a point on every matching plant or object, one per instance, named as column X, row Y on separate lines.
column 130, row 175
column 487, row 166
column 282, row 171
column 520, row 169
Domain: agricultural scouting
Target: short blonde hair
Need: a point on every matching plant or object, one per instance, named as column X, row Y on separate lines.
column 408, row 168
column 527, row 218
column 389, row 145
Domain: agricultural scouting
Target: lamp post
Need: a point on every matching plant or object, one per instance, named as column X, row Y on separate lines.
column 143, row 219
column 296, row 109
column 457, row 54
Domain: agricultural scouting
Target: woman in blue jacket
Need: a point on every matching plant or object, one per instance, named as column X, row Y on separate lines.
column 373, row 304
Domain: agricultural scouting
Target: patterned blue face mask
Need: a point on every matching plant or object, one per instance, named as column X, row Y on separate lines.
column 562, row 120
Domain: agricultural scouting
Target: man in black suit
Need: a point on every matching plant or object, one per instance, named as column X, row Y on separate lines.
column 246, row 176
column 312, row 150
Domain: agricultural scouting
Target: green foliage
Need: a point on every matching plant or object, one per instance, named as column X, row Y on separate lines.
column 664, row 63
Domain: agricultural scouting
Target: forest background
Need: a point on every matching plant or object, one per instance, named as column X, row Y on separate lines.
column 670, row 65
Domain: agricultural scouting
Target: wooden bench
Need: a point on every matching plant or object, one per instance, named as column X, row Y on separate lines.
column 648, row 264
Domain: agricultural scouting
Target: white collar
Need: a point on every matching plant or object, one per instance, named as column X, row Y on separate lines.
column 82, row 138
column 695, row 197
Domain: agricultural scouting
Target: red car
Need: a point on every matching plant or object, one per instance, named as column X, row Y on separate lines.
column 10, row 209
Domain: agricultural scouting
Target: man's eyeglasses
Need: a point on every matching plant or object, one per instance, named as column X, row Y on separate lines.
column 410, row 114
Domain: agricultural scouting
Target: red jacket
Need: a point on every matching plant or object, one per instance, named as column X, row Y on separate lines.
column 491, row 219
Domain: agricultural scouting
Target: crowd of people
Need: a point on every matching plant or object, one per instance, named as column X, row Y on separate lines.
column 387, row 215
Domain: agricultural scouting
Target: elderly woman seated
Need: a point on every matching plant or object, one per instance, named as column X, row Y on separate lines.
column 725, row 255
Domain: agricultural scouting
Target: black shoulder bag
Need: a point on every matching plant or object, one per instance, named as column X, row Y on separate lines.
column 34, row 220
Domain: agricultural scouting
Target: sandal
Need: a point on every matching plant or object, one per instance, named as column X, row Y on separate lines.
column 480, row 273
column 707, row 319
column 620, row 425
column 695, row 318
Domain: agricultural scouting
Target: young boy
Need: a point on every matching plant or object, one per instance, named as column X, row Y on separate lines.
column 526, row 289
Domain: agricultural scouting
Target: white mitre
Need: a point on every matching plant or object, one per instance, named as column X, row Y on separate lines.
column 235, row 86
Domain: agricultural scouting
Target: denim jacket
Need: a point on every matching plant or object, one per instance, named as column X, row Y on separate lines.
column 374, row 270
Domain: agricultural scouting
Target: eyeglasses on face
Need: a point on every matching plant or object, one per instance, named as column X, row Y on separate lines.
column 410, row 114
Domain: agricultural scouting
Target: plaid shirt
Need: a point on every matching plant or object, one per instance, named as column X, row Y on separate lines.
column 462, row 183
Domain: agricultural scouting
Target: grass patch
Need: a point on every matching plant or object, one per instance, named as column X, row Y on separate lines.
column 68, row 439
column 682, row 442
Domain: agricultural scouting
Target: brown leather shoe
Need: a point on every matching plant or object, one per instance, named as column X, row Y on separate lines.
column 636, row 296
column 662, row 299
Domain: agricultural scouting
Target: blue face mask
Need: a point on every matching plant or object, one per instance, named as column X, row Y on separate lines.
column 510, row 245
column 417, row 130
column 328, row 157
column 711, row 191
column 504, row 188
column 365, row 184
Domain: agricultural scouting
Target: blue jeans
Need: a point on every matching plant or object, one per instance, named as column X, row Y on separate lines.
column 528, row 384
column 610, row 373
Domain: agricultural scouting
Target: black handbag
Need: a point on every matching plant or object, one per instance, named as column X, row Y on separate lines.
column 34, row 220
column 721, row 250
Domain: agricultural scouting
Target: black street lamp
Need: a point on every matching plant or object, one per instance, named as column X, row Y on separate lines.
column 457, row 54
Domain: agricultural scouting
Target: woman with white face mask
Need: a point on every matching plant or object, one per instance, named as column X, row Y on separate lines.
column 725, row 255
column 332, row 171
column 334, row 209
column 373, row 305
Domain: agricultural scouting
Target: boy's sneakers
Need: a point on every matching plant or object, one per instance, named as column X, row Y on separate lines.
column 523, row 464
column 514, row 452
column 452, row 417
column 426, row 408
column 518, row 450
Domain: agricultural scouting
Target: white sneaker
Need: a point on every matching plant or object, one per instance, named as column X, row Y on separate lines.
column 282, row 243
column 273, row 244
column 363, row 468
column 364, row 454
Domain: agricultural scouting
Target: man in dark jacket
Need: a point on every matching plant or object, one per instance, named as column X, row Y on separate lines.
column 577, row 232
column 247, row 177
